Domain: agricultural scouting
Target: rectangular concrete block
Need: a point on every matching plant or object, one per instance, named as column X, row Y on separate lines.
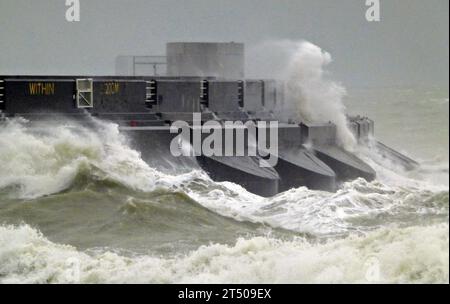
column 253, row 96
column 176, row 96
column 319, row 134
column 223, row 96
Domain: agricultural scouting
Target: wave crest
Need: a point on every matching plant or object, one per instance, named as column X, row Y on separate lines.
column 413, row 255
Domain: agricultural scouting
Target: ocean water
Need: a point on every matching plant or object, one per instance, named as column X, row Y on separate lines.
column 83, row 207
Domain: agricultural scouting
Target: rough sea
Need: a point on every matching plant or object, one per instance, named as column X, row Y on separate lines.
column 82, row 207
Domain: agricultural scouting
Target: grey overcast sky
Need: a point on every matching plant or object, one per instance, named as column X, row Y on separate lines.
column 410, row 45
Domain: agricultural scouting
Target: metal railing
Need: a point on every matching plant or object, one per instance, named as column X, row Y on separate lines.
column 154, row 61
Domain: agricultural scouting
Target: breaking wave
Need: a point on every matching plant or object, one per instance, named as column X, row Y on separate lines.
column 47, row 159
column 417, row 255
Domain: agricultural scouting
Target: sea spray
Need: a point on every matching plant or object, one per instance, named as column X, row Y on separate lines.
column 317, row 98
column 310, row 93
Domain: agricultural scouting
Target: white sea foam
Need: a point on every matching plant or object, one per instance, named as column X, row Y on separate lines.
column 417, row 254
column 325, row 214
